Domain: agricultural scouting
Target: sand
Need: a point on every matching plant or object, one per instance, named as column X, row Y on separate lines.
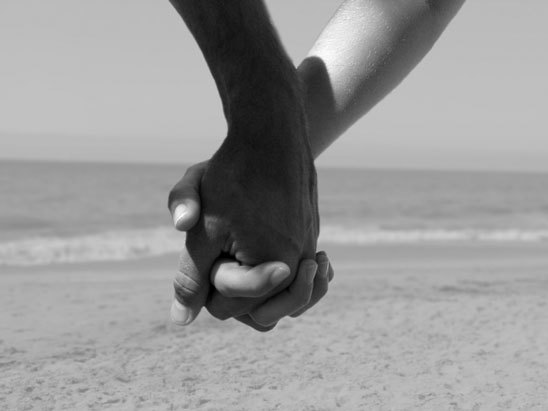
column 402, row 328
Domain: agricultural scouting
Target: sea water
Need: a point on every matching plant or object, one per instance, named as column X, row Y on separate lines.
column 78, row 212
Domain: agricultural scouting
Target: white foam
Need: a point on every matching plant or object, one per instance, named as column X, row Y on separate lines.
column 107, row 246
column 341, row 235
column 133, row 244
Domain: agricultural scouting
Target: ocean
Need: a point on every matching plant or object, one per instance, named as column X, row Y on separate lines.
column 81, row 212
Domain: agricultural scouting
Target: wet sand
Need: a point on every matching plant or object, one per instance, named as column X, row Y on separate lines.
column 403, row 328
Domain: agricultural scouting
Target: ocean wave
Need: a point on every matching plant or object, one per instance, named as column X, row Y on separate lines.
column 133, row 244
column 107, row 246
column 342, row 235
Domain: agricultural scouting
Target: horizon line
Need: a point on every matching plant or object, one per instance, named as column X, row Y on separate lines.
column 146, row 163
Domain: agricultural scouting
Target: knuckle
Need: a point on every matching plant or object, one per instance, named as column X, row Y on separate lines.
column 263, row 329
column 195, row 170
column 250, row 322
column 192, row 169
column 264, row 321
column 224, row 308
column 298, row 313
column 186, row 288
column 218, row 312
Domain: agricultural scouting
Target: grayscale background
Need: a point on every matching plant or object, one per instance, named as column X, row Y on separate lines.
column 434, row 213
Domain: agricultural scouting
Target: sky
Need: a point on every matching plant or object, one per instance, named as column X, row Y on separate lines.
column 122, row 80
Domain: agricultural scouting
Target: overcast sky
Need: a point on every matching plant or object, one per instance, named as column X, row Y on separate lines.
column 122, row 80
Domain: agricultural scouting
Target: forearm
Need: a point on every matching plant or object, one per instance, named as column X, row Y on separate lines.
column 365, row 51
column 253, row 74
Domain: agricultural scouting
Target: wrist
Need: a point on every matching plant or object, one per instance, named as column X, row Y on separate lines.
column 282, row 169
column 319, row 103
column 265, row 100
column 274, row 138
column 258, row 82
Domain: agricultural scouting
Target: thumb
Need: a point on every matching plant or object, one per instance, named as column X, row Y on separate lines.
column 184, row 198
column 191, row 281
column 238, row 287
column 232, row 279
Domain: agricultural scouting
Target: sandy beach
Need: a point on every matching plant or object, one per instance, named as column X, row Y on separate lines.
column 418, row 327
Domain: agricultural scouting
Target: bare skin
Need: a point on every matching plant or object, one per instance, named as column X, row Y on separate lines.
column 231, row 280
column 258, row 192
column 364, row 52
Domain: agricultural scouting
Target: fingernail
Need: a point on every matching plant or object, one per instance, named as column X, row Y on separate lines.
column 180, row 315
column 179, row 213
column 279, row 274
column 311, row 272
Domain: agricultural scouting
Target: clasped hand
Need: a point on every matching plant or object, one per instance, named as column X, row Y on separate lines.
column 252, row 219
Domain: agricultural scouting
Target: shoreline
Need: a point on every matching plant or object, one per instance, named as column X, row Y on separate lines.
column 490, row 253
